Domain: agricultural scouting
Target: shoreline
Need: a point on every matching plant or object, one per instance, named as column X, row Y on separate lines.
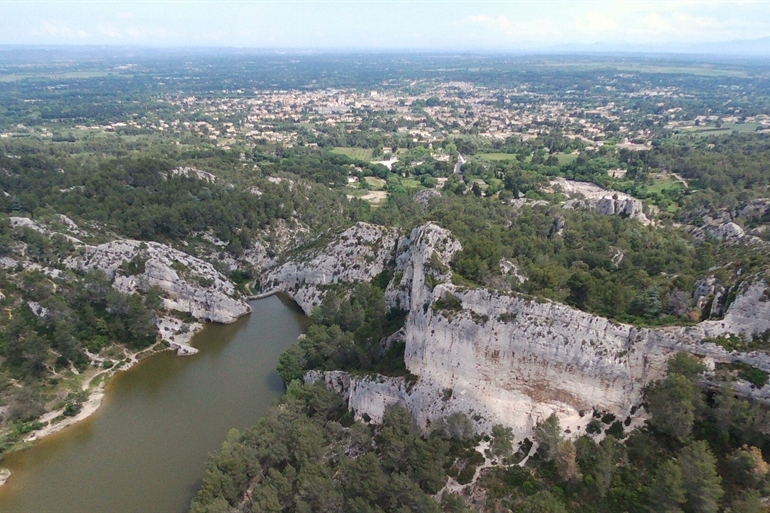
column 168, row 335
column 180, row 344
column 90, row 406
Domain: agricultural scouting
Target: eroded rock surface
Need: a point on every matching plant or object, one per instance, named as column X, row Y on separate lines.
column 358, row 254
column 509, row 359
column 188, row 284
column 590, row 196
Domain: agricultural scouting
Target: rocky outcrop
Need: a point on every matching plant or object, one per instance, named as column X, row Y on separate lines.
column 188, row 284
column 358, row 254
column 505, row 358
column 422, row 258
column 25, row 222
column 517, row 357
column 590, row 196
column 424, row 196
column 191, row 172
column 508, row 268
column 708, row 291
column 178, row 334
column 727, row 232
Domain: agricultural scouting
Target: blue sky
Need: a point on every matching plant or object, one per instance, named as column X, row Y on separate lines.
column 429, row 25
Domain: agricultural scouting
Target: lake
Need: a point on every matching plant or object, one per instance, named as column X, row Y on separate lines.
column 145, row 450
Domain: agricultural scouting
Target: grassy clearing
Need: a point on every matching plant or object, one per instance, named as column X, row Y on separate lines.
column 566, row 158
column 701, row 132
column 659, row 184
column 375, row 184
column 742, row 127
column 375, row 198
column 497, row 156
column 663, row 184
column 355, row 153
column 355, row 192
column 411, row 183
column 704, row 131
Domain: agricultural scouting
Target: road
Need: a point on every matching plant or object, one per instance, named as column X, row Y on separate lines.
column 459, row 164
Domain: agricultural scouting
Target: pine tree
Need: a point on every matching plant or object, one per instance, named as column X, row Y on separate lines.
column 667, row 491
column 702, row 484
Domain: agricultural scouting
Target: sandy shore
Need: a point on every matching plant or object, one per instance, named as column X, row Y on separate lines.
column 90, row 406
column 95, row 397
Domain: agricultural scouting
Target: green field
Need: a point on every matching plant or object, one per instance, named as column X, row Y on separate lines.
column 498, row 156
column 742, row 127
column 703, row 131
column 564, row 158
column 410, row 183
column 364, row 154
column 663, row 184
column 375, row 184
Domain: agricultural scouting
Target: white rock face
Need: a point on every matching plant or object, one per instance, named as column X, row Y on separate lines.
column 756, row 209
column 358, row 254
column 424, row 254
column 36, row 309
column 25, row 222
column 424, row 196
column 70, row 225
column 519, row 359
column 728, row 232
column 504, row 358
column 191, row 172
column 189, row 285
column 509, row 268
column 178, row 334
column 591, row 196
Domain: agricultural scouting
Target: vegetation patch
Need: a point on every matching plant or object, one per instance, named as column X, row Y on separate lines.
column 756, row 377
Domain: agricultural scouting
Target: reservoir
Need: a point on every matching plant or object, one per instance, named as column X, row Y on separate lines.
column 145, row 449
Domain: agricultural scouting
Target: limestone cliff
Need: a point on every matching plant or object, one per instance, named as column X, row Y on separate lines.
column 422, row 259
column 590, row 196
column 510, row 359
column 188, row 284
column 357, row 254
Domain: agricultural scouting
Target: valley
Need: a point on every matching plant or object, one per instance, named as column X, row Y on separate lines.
column 538, row 288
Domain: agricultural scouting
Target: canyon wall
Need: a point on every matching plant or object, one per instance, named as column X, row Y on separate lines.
column 509, row 359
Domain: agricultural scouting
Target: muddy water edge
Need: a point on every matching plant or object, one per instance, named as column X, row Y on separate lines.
column 145, row 449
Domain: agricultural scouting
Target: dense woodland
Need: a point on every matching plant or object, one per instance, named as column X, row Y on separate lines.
column 701, row 451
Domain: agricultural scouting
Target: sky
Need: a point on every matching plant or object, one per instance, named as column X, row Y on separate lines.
column 383, row 25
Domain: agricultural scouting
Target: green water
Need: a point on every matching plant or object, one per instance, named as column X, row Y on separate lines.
column 144, row 450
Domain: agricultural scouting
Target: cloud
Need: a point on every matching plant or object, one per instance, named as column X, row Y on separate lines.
column 124, row 15
column 624, row 22
column 60, row 29
column 146, row 33
column 499, row 22
column 594, row 23
column 110, row 30
column 538, row 29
